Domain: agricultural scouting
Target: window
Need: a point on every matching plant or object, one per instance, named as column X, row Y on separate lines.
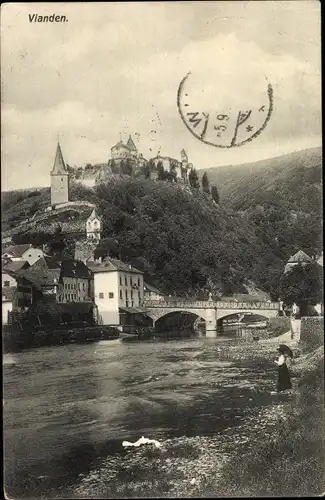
column 126, row 294
column 120, row 280
column 101, row 295
column 131, row 294
column 132, row 303
column 126, row 281
column 127, row 303
column 83, row 287
column 130, row 279
column 138, row 281
column 6, row 283
column 111, row 295
column 121, row 295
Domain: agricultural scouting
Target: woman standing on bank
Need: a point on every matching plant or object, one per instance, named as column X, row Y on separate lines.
column 284, row 381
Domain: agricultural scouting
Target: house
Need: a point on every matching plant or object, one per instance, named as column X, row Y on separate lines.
column 94, row 226
column 9, row 268
column 56, row 288
column 25, row 252
column 298, row 258
column 8, row 297
column 59, row 180
column 151, row 292
column 118, row 289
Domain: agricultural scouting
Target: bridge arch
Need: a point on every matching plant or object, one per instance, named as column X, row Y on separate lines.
column 178, row 320
column 157, row 314
column 263, row 313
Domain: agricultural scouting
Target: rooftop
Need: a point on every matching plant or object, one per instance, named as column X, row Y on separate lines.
column 48, row 271
column 59, row 166
column 129, row 145
column 151, row 288
column 300, row 256
column 93, row 215
column 111, row 265
column 16, row 250
column 15, row 265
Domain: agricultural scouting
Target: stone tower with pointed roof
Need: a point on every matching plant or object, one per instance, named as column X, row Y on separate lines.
column 130, row 144
column 59, row 180
column 94, row 226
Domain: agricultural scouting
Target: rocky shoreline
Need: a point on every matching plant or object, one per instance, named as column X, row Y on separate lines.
column 185, row 466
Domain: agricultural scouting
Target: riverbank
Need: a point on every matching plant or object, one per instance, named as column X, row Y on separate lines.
column 276, row 449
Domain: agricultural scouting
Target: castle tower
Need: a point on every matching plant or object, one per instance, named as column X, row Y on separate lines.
column 59, row 180
column 130, row 144
column 94, row 226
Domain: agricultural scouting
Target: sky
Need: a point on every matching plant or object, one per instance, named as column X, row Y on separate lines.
column 113, row 69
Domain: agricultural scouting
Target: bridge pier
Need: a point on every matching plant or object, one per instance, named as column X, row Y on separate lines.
column 211, row 322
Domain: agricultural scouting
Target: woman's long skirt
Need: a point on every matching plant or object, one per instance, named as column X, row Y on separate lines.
column 284, row 381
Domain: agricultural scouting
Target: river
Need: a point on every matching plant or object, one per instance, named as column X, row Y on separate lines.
column 67, row 407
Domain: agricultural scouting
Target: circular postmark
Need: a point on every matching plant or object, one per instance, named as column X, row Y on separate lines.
column 220, row 118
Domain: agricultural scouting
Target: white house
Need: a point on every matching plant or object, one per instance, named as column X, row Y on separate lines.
column 24, row 252
column 94, row 226
column 118, row 290
column 298, row 258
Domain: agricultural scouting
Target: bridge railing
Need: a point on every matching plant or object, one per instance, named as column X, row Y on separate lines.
column 247, row 305
column 205, row 304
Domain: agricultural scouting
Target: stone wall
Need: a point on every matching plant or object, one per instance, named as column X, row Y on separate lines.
column 312, row 331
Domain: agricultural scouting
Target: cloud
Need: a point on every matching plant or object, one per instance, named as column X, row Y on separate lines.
column 115, row 68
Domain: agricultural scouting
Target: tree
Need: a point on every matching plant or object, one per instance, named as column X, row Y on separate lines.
column 161, row 171
column 194, row 179
column 205, row 183
column 57, row 245
column 146, row 170
column 215, row 194
column 302, row 285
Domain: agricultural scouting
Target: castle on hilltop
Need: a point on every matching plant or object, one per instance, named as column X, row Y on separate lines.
column 125, row 159
column 122, row 151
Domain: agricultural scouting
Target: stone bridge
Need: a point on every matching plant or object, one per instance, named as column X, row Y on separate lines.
column 209, row 310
